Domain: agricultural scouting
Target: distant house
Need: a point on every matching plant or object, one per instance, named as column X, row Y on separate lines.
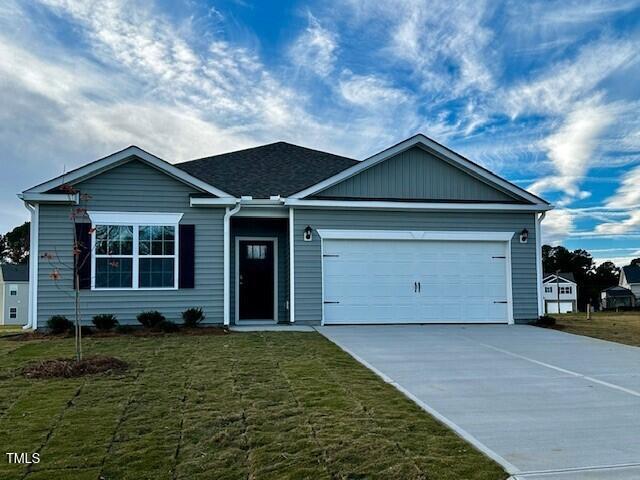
column 630, row 278
column 14, row 294
column 616, row 297
column 563, row 284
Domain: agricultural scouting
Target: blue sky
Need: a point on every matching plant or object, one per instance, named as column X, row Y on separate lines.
column 546, row 93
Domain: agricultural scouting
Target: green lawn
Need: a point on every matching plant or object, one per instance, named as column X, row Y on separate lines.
column 9, row 330
column 621, row 327
column 241, row 406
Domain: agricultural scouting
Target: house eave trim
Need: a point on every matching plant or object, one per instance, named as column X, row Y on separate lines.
column 425, row 206
column 64, row 198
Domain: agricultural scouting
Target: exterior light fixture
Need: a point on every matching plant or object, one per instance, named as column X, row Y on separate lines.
column 524, row 235
column 307, row 236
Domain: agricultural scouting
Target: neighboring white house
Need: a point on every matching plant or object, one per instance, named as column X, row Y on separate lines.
column 560, row 293
column 630, row 278
column 14, row 294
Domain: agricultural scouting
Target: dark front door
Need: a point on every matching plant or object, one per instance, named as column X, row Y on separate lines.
column 256, row 270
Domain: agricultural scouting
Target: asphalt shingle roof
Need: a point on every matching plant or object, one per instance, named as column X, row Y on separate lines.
column 618, row 291
column 566, row 275
column 632, row 273
column 15, row 273
column 274, row 169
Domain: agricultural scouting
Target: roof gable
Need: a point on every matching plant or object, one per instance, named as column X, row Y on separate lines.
column 438, row 151
column 122, row 157
column 416, row 174
column 261, row 172
column 564, row 276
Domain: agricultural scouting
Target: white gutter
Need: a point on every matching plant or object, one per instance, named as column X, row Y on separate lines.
column 50, row 197
column 227, row 270
column 539, row 219
column 213, row 202
column 32, row 318
column 423, row 206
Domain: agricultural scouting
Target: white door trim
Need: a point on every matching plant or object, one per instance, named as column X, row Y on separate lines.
column 274, row 241
column 422, row 236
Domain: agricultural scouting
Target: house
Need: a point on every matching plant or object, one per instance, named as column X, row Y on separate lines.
column 282, row 233
column 616, row 297
column 14, row 294
column 630, row 278
column 560, row 293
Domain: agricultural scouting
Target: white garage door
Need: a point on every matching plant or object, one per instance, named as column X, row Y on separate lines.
column 565, row 307
column 415, row 281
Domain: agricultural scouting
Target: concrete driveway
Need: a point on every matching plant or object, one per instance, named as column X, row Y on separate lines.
column 544, row 404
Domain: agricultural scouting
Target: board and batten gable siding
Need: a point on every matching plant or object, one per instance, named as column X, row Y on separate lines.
column 308, row 260
column 136, row 187
column 415, row 175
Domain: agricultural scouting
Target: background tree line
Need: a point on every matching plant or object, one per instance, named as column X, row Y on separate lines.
column 591, row 279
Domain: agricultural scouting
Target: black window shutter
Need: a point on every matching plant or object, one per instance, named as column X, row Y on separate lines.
column 83, row 236
column 187, row 256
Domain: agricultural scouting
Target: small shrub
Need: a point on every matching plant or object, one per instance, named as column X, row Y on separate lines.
column 150, row 319
column 105, row 321
column 59, row 324
column 124, row 329
column 192, row 317
column 546, row 321
column 167, row 326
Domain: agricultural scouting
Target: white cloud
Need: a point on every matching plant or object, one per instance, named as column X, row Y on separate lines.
column 556, row 226
column 626, row 197
column 559, row 87
column 316, row 48
column 571, row 149
column 370, row 91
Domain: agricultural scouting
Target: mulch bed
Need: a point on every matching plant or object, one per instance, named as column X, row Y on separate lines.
column 137, row 332
column 68, row 368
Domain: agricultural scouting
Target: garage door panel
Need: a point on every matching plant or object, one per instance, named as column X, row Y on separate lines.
column 373, row 281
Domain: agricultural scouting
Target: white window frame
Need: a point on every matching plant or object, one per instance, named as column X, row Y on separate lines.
column 13, row 290
column 136, row 220
column 13, row 313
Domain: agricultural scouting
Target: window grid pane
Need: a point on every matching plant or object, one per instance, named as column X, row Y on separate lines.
column 156, row 240
column 156, row 273
column 114, row 272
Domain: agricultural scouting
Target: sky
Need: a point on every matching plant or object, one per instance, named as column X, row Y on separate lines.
column 543, row 93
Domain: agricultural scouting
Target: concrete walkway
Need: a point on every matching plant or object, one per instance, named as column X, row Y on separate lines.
column 544, row 404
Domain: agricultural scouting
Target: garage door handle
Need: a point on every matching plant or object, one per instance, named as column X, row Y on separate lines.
column 419, row 287
column 326, row 301
column 415, row 287
column 498, row 301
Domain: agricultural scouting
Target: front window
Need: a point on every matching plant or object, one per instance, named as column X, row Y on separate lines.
column 548, row 289
column 13, row 313
column 135, row 256
column 565, row 290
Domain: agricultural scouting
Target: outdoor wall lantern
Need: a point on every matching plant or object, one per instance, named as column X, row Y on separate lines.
column 307, row 236
column 524, row 235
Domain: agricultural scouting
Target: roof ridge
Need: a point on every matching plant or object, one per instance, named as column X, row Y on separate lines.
column 279, row 142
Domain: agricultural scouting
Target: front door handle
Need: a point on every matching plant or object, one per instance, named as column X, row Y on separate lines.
column 419, row 287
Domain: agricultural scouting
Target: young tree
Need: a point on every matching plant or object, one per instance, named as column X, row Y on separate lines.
column 80, row 253
column 14, row 246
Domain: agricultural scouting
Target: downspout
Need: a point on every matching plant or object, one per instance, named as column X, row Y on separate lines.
column 227, row 254
column 539, row 219
column 32, row 318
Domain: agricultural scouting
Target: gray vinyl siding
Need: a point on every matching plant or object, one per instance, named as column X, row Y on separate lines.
column 415, row 175
column 137, row 187
column 255, row 227
column 308, row 261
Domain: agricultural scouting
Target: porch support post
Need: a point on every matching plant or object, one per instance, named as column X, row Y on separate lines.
column 32, row 318
column 292, row 270
column 226, row 262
